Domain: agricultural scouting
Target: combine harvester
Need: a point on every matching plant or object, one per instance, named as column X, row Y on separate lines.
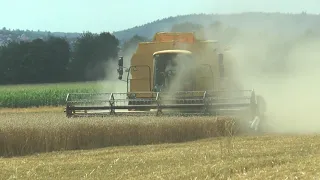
column 175, row 74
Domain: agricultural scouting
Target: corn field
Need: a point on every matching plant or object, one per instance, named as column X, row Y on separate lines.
column 24, row 96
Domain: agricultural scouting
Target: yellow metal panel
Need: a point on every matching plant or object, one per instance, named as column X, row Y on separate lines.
column 185, row 37
column 146, row 48
column 205, row 52
column 139, row 85
column 141, row 75
column 144, row 56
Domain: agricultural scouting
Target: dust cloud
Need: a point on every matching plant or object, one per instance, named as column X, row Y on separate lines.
column 289, row 85
column 111, row 83
column 181, row 68
column 291, row 93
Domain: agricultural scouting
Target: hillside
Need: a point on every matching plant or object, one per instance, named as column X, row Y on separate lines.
column 271, row 22
column 7, row 35
column 289, row 24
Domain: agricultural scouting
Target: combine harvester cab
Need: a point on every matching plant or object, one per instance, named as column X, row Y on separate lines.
column 175, row 74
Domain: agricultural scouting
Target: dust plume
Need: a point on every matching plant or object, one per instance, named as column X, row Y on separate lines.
column 181, row 68
column 281, row 67
column 111, row 83
column 289, row 87
column 282, row 70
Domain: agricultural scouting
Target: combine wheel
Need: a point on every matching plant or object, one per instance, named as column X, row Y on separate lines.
column 259, row 119
column 262, row 108
column 68, row 111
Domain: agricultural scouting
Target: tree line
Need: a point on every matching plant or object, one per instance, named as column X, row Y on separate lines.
column 57, row 60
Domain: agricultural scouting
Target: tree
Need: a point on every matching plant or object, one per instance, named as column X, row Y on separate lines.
column 217, row 26
column 189, row 27
column 33, row 59
column 82, row 54
column 37, row 61
column 59, row 54
column 130, row 46
column 186, row 27
column 9, row 63
column 51, row 60
column 91, row 53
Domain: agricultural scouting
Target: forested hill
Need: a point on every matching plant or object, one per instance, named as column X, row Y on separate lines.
column 7, row 35
column 275, row 22
column 267, row 43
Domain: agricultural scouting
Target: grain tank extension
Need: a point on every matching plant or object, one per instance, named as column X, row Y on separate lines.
column 174, row 74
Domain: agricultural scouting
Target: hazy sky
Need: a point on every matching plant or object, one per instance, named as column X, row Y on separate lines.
column 108, row 15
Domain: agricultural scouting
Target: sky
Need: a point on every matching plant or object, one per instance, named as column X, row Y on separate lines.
column 109, row 15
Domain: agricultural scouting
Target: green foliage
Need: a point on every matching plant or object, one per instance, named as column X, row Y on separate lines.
column 37, row 61
column 49, row 57
column 251, row 20
column 198, row 29
column 131, row 45
column 55, row 60
column 91, row 55
column 186, row 27
column 22, row 96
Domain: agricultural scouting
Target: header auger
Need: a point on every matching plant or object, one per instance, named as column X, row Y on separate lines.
column 175, row 74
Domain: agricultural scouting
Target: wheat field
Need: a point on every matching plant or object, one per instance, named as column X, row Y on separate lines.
column 46, row 145
column 41, row 143
column 266, row 157
column 29, row 132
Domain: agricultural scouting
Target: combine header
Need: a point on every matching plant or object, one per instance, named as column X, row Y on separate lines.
column 175, row 74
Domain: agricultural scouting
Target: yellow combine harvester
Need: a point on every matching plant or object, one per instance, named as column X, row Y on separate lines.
column 175, row 73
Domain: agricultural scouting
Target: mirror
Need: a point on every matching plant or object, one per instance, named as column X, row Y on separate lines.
column 120, row 62
column 120, row 68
